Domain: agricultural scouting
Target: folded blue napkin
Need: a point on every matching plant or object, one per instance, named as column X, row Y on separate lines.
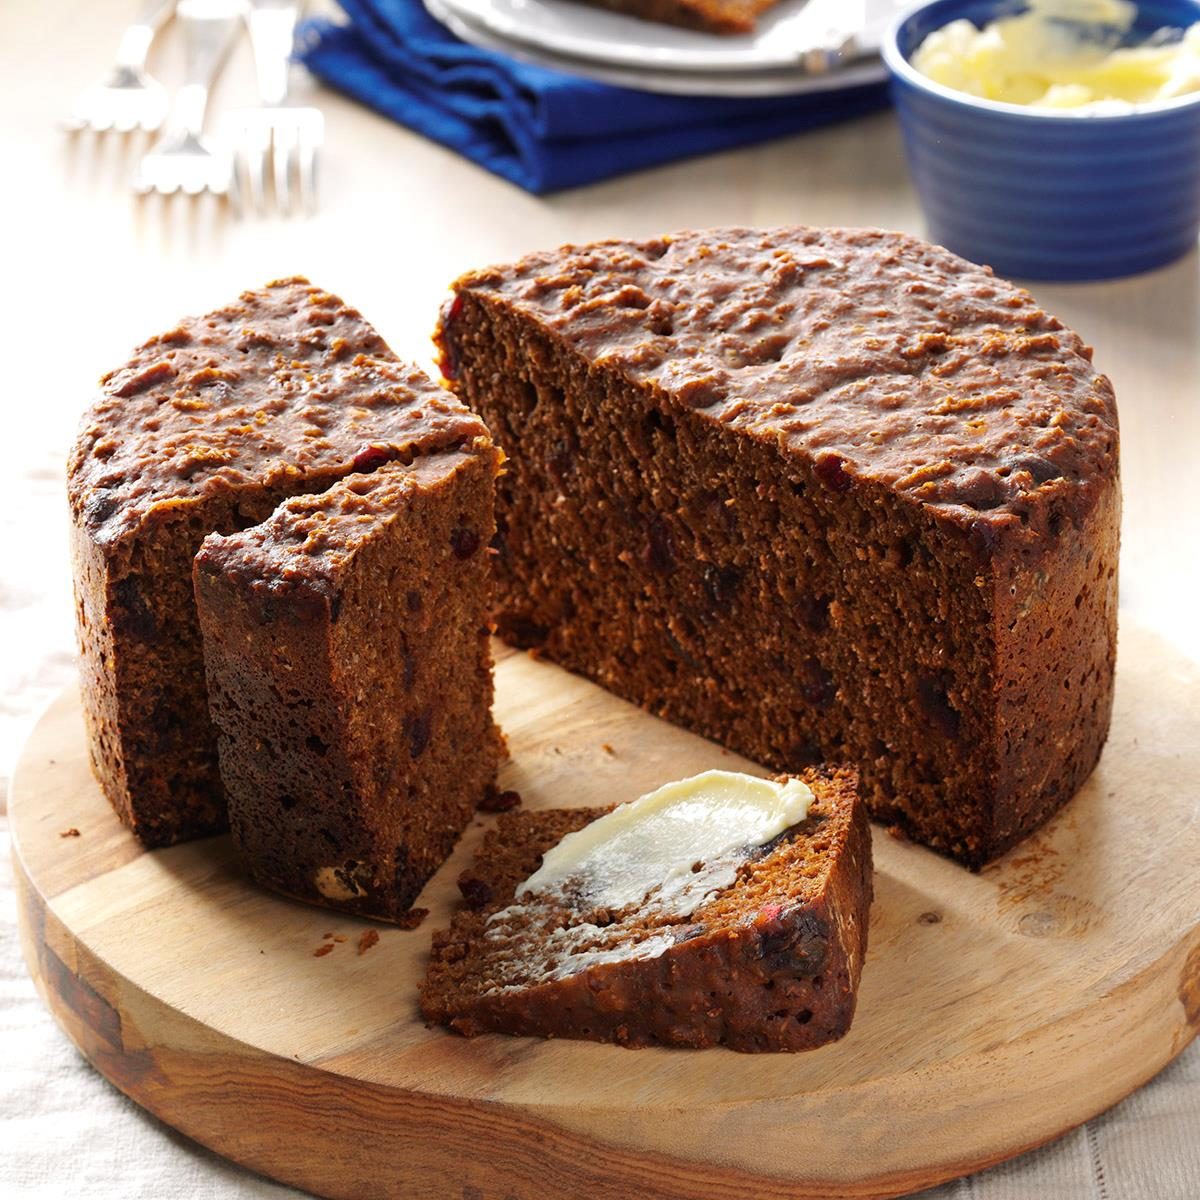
column 542, row 129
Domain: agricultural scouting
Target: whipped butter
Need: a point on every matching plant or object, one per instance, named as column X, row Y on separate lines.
column 681, row 842
column 1063, row 56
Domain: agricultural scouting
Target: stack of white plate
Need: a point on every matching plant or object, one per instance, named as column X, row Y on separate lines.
column 798, row 46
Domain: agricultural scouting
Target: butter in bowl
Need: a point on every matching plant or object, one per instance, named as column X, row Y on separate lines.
column 1058, row 139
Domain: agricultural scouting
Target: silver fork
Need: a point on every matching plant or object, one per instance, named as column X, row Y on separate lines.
column 290, row 134
column 182, row 160
column 128, row 99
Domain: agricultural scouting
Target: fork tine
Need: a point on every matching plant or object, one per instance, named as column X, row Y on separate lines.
column 217, row 178
column 256, row 172
column 284, row 140
column 308, row 174
column 233, row 194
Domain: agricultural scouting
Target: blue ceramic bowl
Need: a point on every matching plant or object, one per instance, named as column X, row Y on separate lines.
column 1044, row 196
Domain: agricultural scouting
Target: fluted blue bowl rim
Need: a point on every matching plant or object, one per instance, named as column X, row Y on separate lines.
column 900, row 68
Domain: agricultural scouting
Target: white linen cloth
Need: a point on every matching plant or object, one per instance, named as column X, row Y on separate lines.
column 66, row 1132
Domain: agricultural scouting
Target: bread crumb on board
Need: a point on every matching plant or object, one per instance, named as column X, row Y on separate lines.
column 496, row 801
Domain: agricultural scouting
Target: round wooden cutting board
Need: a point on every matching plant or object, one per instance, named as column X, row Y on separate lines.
column 997, row 1010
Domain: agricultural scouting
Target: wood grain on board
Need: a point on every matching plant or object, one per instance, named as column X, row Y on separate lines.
column 996, row 1011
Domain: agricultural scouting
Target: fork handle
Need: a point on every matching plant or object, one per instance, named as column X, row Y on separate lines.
column 272, row 28
column 208, row 34
column 135, row 41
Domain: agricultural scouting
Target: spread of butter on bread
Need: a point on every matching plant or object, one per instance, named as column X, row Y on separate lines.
column 674, row 845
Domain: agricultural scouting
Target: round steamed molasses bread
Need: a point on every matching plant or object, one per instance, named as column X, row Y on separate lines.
column 818, row 494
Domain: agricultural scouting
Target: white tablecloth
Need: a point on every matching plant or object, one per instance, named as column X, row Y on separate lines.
column 64, row 1131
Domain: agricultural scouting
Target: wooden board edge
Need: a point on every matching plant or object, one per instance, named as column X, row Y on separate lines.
column 340, row 1138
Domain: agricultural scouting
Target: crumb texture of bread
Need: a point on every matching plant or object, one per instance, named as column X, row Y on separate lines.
column 349, row 678
column 817, row 494
column 207, row 428
column 770, row 962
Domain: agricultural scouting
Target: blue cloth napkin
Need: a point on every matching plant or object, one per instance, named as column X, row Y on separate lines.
column 542, row 129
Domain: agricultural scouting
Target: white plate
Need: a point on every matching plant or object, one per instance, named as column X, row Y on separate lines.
column 814, row 34
column 753, row 82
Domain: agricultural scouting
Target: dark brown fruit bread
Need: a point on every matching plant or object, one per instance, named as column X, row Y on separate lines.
column 708, row 16
column 207, row 428
column 771, row 962
column 349, row 675
column 816, row 494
